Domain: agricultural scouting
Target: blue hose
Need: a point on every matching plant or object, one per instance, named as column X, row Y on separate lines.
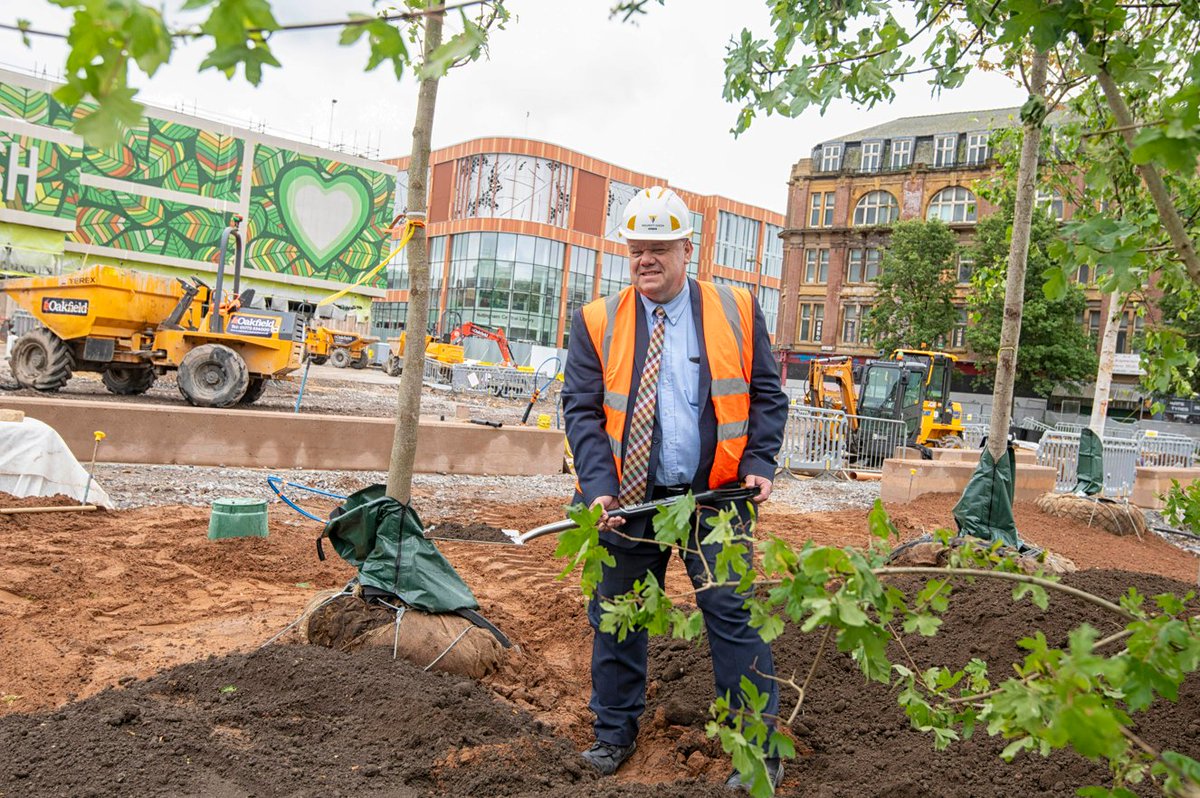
column 275, row 483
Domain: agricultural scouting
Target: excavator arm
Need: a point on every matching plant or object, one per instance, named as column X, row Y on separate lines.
column 471, row 330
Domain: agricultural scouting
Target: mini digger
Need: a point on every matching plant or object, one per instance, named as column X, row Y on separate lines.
column 131, row 327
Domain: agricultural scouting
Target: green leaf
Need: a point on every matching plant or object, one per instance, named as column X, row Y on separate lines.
column 466, row 45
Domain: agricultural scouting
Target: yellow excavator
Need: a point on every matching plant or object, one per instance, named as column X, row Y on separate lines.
column 911, row 385
column 131, row 326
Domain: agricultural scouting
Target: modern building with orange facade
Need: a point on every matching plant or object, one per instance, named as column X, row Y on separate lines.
column 521, row 233
column 841, row 204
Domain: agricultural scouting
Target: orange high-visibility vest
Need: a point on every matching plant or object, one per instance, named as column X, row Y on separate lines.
column 728, row 323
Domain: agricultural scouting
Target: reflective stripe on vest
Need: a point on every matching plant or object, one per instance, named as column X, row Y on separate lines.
column 728, row 327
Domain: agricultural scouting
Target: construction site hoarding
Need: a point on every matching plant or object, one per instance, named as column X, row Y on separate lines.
column 162, row 196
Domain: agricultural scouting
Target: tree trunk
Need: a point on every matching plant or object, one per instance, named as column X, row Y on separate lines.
column 408, row 401
column 1167, row 213
column 1018, row 254
column 1108, row 351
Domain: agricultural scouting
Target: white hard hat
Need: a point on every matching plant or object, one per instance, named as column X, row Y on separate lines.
column 656, row 214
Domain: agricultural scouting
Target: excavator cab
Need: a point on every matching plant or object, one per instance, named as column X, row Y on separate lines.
column 942, row 420
column 894, row 390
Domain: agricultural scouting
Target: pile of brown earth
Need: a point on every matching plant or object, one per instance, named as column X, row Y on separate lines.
column 109, row 621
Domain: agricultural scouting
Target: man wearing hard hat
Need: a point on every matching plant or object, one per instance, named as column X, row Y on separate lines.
column 669, row 387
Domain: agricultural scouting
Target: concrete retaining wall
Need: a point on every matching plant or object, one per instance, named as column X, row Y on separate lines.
column 905, row 480
column 179, row 434
column 1151, row 481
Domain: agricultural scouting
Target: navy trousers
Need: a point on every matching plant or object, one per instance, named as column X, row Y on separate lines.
column 619, row 668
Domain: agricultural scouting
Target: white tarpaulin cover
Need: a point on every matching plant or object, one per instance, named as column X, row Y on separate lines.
column 34, row 461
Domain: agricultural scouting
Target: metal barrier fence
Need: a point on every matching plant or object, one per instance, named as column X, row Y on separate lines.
column 1059, row 449
column 1120, row 429
column 814, row 440
column 1165, row 449
column 1063, row 426
column 501, row 381
column 436, row 373
column 874, row 440
column 973, row 435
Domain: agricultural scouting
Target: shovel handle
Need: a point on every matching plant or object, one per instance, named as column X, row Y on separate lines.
column 716, row 496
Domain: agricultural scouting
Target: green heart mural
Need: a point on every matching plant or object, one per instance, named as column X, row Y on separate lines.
column 323, row 214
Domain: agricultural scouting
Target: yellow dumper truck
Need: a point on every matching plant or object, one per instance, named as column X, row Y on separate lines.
column 132, row 326
column 338, row 348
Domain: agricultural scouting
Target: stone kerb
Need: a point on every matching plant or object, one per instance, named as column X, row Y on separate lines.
column 1151, row 481
column 905, row 480
column 178, row 434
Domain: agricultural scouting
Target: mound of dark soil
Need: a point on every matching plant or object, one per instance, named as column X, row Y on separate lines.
column 297, row 721
column 478, row 532
column 854, row 740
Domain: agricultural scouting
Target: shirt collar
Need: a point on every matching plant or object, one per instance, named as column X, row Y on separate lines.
column 674, row 308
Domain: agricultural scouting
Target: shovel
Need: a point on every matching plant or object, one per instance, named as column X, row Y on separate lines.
column 716, row 496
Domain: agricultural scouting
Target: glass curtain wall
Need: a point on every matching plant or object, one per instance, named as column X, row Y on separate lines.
column 580, row 284
column 619, row 195
column 737, row 241
column 507, row 280
column 397, row 276
column 506, row 186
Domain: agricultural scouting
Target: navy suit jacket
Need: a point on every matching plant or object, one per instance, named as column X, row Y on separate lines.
column 583, row 411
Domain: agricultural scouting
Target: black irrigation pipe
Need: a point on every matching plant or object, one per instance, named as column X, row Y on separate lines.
column 1171, row 531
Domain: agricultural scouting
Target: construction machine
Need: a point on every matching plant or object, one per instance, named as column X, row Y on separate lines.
column 339, row 348
column 131, row 326
column 471, row 330
column 942, row 419
column 895, row 389
column 440, row 351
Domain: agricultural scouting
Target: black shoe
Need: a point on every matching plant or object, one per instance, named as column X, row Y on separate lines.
column 774, row 772
column 607, row 758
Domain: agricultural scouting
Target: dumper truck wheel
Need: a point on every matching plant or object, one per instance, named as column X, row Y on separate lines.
column 258, row 386
column 360, row 362
column 213, row 375
column 318, row 360
column 41, row 360
column 339, row 358
column 393, row 366
column 125, row 381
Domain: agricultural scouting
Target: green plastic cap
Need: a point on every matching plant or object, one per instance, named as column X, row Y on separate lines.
column 238, row 518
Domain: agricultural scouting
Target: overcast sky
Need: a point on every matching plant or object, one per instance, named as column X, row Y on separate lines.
column 644, row 96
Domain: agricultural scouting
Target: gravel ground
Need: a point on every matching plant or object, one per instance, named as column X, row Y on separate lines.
column 152, row 485
column 324, row 394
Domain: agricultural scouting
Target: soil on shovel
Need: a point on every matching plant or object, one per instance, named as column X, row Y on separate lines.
column 299, row 721
column 853, row 739
column 481, row 533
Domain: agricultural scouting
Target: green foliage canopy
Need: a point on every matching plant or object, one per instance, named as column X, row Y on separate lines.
column 1054, row 346
column 913, row 306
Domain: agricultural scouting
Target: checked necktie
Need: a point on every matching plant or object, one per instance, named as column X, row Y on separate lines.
column 641, row 427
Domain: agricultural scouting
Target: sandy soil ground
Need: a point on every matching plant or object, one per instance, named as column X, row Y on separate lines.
column 89, row 601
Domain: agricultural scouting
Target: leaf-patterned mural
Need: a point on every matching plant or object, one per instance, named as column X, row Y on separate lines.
column 170, row 188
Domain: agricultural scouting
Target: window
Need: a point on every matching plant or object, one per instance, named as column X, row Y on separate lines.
column 902, row 150
column 958, row 335
column 619, row 195
column 853, row 316
column 872, row 155
column 831, row 157
column 966, row 266
column 1094, row 324
column 944, row 145
column 614, row 273
column 1128, row 336
column 1084, row 274
column 737, row 241
column 768, row 300
column 863, row 265
column 816, row 266
column 1051, row 202
column 875, row 208
column 509, row 186
column 820, row 212
column 977, row 148
column 953, row 204
column 773, row 252
column 693, row 267
column 812, row 322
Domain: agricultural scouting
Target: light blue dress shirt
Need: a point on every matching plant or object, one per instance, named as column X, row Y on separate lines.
column 678, row 391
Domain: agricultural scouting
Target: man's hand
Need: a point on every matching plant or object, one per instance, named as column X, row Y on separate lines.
column 762, row 483
column 609, row 503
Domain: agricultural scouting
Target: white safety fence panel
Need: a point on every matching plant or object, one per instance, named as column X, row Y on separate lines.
column 1120, row 429
column 1165, row 449
column 500, row 381
column 1060, row 451
column 436, row 373
column 973, row 435
column 814, row 440
column 875, row 440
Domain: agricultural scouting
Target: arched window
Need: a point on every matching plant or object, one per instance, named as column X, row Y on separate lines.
column 876, row 207
column 952, row 204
